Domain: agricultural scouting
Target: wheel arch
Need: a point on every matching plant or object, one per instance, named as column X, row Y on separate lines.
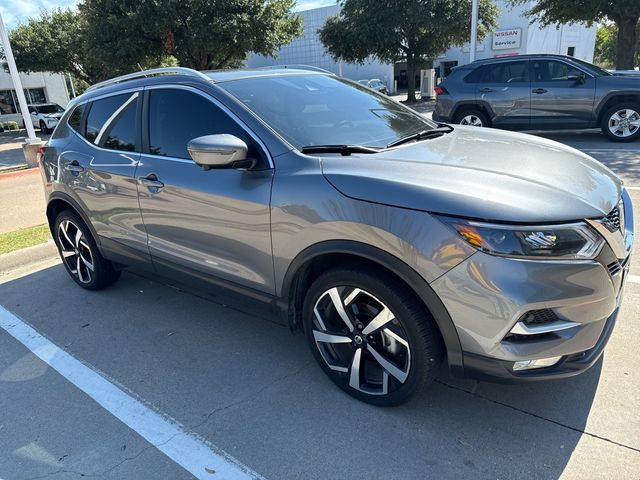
column 58, row 202
column 473, row 105
column 615, row 98
column 314, row 260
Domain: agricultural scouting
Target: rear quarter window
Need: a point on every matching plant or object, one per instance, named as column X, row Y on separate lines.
column 75, row 119
column 475, row 76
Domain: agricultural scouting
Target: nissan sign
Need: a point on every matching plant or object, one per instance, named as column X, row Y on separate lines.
column 506, row 39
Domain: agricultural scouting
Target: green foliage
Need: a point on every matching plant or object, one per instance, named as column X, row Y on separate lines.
column 605, row 53
column 12, row 125
column 201, row 34
column 624, row 13
column 416, row 31
column 105, row 38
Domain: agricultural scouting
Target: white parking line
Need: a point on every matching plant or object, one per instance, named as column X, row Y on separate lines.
column 633, row 278
column 631, row 188
column 194, row 454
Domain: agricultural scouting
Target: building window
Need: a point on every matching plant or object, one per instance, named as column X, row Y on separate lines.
column 571, row 51
column 9, row 100
column 7, row 103
column 35, row 95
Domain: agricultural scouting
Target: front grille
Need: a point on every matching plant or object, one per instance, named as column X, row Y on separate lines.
column 612, row 220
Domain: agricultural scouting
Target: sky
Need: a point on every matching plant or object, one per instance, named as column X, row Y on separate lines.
column 15, row 12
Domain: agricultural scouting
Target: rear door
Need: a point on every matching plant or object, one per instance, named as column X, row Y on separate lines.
column 556, row 101
column 100, row 164
column 216, row 222
column 505, row 87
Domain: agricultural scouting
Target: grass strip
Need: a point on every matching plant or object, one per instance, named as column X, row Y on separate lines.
column 27, row 237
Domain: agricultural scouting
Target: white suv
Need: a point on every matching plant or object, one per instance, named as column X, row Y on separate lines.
column 46, row 115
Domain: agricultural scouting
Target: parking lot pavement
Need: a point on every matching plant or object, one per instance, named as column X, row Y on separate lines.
column 232, row 376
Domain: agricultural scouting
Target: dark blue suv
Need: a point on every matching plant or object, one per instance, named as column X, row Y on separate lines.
column 536, row 92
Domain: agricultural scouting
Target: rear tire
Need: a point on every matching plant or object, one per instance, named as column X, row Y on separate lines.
column 472, row 117
column 79, row 253
column 386, row 350
column 621, row 123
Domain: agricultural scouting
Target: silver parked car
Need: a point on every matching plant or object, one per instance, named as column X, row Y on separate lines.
column 390, row 241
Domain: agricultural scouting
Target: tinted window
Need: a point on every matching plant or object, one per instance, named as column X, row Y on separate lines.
column 312, row 110
column 177, row 116
column 113, row 114
column 506, row 72
column 475, row 76
column 75, row 118
column 549, row 70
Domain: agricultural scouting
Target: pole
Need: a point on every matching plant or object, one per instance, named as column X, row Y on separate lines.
column 17, row 84
column 73, row 88
column 474, row 30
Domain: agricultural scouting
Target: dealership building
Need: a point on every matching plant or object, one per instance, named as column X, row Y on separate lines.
column 39, row 87
column 515, row 35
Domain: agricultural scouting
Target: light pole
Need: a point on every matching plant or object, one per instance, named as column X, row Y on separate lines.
column 474, row 30
column 17, row 85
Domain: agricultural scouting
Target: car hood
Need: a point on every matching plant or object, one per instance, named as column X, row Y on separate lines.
column 481, row 173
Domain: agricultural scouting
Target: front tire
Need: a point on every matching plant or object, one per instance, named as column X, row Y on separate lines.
column 43, row 127
column 79, row 253
column 373, row 339
column 621, row 123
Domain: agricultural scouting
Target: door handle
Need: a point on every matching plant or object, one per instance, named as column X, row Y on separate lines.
column 486, row 90
column 151, row 182
column 539, row 90
column 73, row 167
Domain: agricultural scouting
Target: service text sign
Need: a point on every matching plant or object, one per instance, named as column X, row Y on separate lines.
column 506, row 39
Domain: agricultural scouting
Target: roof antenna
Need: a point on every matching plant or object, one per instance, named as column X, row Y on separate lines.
column 140, row 67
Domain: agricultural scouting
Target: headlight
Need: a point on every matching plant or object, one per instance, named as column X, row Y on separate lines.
column 556, row 242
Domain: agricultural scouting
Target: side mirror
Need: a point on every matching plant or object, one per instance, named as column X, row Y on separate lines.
column 575, row 76
column 219, row 151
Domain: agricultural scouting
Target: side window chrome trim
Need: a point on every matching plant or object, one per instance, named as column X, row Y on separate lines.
column 222, row 107
column 114, row 116
column 100, row 97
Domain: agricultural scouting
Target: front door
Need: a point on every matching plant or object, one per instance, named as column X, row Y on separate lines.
column 556, row 100
column 504, row 87
column 215, row 222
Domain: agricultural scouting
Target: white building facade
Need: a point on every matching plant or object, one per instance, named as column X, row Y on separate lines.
column 515, row 35
column 39, row 87
column 308, row 50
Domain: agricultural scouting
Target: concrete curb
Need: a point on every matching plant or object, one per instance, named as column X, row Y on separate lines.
column 28, row 256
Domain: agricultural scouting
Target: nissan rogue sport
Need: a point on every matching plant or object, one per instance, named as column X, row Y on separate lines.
column 392, row 242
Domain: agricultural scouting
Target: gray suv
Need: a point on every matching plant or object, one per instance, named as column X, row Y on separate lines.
column 389, row 241
column 532, row 92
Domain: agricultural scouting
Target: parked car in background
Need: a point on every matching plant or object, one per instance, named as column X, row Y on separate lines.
column 46, row 116
column 376, row 84
column 624, row 73
column 391, row 242
column 532, row 92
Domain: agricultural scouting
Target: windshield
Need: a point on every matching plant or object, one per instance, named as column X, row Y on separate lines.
column 591, row 67
column 53, row 108
column 310, row 110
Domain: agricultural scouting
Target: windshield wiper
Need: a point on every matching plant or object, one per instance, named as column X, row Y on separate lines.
column 432, row 132
column 341, row 149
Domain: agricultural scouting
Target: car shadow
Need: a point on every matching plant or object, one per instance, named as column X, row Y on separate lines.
column 230, row 371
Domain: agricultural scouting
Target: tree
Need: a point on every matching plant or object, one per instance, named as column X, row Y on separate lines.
column 55, row 42
column 606, row 40
column 624, row 13
column 201, row 34
column 416, row 31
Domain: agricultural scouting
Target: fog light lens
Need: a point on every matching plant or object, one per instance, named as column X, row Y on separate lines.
column 539, row 363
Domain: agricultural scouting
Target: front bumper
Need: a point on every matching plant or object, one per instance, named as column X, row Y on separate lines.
column 491, row 369
column 508, row 310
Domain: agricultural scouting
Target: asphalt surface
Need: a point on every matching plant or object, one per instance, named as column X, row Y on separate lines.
column 237, row 380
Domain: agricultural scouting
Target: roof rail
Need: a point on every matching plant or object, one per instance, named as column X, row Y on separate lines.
column 296, row 67
column 150, row 73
